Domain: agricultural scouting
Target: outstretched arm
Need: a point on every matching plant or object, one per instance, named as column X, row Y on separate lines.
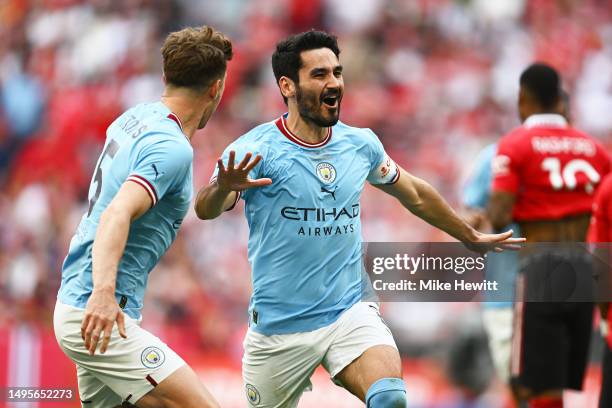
column 212, row 200
column 220, row 195
column 102, row 310
column 420, row 198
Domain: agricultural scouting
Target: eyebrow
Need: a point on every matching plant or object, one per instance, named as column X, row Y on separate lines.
column 316, row 71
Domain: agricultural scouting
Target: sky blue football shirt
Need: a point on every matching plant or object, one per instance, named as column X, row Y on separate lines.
column 145, row 145
column 305, row 228
column 501, row 267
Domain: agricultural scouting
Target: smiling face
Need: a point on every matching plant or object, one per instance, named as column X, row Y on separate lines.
column 319, row 92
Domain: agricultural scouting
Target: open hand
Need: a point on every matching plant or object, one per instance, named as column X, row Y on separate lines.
column 101, row 313
column 237, row 178
column 494, row 242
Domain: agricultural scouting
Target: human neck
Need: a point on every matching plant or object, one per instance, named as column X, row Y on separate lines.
column 535, row 112
column 186, row 106
column 304, row 129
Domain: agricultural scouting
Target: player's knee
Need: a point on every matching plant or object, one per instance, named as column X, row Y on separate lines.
column 387, row 393
column 182, row 401
column 148, row 401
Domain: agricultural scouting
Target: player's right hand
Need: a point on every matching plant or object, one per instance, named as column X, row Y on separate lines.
column 484, row 243
column 236, row 178
column 101, row 313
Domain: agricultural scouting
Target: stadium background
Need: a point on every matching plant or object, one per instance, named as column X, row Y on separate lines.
column 436, row 80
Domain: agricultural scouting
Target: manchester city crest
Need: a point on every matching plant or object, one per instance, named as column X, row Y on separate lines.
column 152, row 357
column 252, row 394
column 326, row 172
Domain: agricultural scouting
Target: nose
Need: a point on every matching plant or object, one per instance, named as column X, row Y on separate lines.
column 334, row 83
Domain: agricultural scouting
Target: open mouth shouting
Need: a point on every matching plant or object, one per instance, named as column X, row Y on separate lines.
column 331, row 100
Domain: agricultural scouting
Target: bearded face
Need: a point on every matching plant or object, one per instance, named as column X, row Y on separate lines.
column 320, row 88
column 322, row 109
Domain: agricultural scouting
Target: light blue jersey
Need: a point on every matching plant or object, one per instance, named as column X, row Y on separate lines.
column 146, row 146
column 305, row 229
column 501, row 267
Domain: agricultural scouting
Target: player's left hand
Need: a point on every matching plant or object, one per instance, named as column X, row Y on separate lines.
column 101, row 313
column 484, row 243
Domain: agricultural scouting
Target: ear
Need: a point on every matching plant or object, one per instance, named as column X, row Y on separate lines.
column 560, row 107
column 524, row 98
column 521, row 95
column 214, row 89
column 287, row 87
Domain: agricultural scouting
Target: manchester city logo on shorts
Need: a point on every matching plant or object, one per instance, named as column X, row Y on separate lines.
column 152, row 357
column 326, row 172
column 252, row 394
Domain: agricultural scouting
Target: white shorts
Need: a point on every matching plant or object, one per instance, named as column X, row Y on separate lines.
column 129, row 368
column 498, row 325
column 276, row 369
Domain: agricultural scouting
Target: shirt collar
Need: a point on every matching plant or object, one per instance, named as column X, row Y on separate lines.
column 545, row 120
column 173, row 117
column 281, row 123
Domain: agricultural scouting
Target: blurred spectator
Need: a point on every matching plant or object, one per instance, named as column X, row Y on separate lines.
column 434, row 78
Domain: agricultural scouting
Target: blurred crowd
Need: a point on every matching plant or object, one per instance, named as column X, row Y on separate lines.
column 437, row 80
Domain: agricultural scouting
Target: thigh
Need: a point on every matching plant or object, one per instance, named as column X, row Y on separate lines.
column 181, row 389
column 580, row 329
column 540, row 348
column 498, row 326
column 93, row 393
column 131, row 367
column 375, row 363
column 276, row 369
column 362, row 351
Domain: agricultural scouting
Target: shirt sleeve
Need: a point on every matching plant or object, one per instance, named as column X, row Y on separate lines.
column 476, row 191
column 505, row 167
column 161, row 167
column 383, row 169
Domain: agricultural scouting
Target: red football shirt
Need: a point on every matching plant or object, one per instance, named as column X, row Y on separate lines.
column 600, row 229
column 601, row 220
column 552, row 168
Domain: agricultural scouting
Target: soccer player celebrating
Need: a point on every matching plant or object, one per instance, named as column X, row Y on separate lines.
column 545, row 175
column 305, row 235
column 140, row 191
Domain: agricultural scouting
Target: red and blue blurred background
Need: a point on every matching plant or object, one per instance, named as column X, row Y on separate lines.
column 436, row 79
